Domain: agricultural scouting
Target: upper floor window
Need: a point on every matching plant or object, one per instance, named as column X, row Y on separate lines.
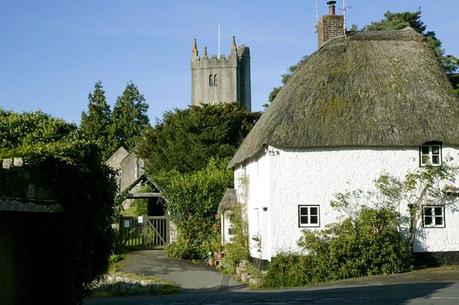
column 211, row 80
column 433, row 216
column 430, row 154
column 215, row 80
column 308, row 216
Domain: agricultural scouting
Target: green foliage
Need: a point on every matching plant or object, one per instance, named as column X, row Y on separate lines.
column 95, row 124
column 192, row 202
column 185, row 140
column 288, row 270
column 454, row 79
column 129, row 118
column 369, row 244
column 238, row 249
column 71, row 172
column 30, row 128
column 141, row 205
column 397, row 21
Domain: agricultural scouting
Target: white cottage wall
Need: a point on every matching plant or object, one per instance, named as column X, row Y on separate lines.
column 253, row 189
column 282, row 179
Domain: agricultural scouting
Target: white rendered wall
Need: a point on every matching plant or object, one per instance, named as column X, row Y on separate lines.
column 281, row 179
column 253, row 189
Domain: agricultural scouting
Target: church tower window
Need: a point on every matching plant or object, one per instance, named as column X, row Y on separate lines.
column 215, row 80
column 211, row 80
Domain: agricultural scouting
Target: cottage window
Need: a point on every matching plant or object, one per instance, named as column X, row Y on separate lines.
column 430, row 154
column 433, row 216
column 308, row 216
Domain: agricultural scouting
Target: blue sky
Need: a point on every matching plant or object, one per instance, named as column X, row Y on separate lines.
column 53, row 51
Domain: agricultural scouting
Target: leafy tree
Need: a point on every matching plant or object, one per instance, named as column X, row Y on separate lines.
column 129, row 118
column 397, row 21
column 22, row 129
column 185, row 140
column 69, row 170
column 95, row 124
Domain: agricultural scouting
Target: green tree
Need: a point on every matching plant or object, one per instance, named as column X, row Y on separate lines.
column 129, row 118
column 70, row 171
column 21, row 129
column 185, row 140
column 95, row 124
column 192, row 202
column 397, row 21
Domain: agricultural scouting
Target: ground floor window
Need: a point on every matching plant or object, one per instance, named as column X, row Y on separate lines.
column 308, row 216
column 433, row 216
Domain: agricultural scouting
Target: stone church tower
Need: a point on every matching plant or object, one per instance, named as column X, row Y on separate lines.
column 221, row 80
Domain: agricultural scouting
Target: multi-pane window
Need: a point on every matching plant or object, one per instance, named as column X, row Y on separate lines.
column 433, row 216
column 308, row 216
column 431, row 154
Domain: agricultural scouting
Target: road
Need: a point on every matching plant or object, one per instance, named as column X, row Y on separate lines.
column 428, row 293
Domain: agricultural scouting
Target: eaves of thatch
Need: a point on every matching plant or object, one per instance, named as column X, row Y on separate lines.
column 384, row 88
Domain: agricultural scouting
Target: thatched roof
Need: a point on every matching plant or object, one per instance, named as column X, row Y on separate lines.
column 384, row 88
column 228, row 201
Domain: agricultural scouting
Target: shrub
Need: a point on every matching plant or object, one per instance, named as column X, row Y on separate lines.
column 237, row 250
column 288, row 270
column 369, row 244
column 68, row 170
column 192, row 200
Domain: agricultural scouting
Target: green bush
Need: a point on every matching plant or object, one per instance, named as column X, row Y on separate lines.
column 192, row 200
column 67, row 169
column 369, row 244
column 238, row 249
column 288, row 270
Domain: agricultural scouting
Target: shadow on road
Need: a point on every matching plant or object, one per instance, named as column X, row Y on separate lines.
column 394, row 294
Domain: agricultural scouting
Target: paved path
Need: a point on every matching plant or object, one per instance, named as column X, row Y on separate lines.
column 432, row 293
column 188, row 275
column 202, row 285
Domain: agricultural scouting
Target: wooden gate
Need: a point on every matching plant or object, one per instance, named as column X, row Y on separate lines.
column 144, row 232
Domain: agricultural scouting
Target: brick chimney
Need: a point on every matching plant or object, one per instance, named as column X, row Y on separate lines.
column 330, row 26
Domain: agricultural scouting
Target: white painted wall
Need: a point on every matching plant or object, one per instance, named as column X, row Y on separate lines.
column 281, row 179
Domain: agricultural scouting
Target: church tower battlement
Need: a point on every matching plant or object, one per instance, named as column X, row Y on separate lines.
column 221, row 80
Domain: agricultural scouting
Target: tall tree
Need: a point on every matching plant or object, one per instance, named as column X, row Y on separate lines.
column 95, row 124
column 129, row 118
column 187, row 139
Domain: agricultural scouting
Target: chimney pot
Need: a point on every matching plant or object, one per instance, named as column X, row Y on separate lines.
column 331, row 8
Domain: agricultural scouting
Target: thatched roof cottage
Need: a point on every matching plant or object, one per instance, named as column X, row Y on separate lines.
column 362, row 105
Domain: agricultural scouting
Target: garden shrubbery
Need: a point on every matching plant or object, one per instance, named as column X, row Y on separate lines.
column 371, row 243
column 238, row 249
column 192, row 202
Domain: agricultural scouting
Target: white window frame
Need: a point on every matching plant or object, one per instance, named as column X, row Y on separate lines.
column 308, row 216
column 433, row 216
column 430, row 154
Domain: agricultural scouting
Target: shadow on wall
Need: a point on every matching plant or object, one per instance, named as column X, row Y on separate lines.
column 396, row 294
